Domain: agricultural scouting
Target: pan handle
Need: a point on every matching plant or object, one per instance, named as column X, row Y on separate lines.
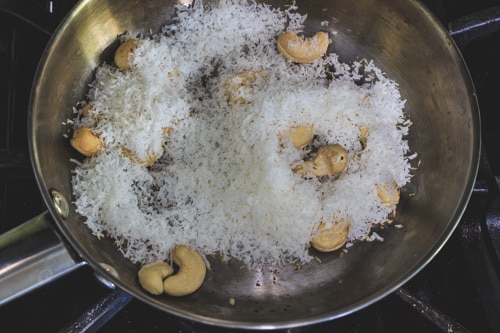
column 468, row 28
column 32, row 255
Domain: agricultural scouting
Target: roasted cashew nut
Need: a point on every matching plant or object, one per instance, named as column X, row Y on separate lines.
column 241, row 86
column 151, row 276
column 124, row 52
column 363, row 136
column 330, row 239
column 300, row 136
column 192, row 272
column 300, row 50
column 152, row 157
column 149, row 161
column 388, row 194
column 329, row 160
column 86, row 142
column 166, row 131
column 86, row 110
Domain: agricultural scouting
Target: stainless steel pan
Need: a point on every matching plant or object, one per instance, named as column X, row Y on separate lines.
column 402, row 37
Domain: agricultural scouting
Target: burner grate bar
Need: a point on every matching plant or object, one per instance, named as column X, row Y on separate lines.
column 100, row 313
column 445, row 323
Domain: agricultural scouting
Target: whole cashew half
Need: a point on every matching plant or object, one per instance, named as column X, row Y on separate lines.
column 330, row 239
column 192, row 272
column 151, row 276
column 388, row 194
column 86, row 142
column 329, row 160
column 300, row 136
column 124, row 53
column 303, row 51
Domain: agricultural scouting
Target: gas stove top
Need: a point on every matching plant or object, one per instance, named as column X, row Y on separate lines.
column 458, row 291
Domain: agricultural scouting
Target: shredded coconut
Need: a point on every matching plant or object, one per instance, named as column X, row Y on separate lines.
column 224, row 183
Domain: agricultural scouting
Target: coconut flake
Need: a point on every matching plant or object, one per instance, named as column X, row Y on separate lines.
column 224, row 184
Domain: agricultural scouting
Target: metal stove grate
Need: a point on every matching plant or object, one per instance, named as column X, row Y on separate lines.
column 458, row 291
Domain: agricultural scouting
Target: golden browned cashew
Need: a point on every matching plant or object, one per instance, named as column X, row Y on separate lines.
column 174, row 73
column 300, row 50
column 166, row 131
column 192, row 271
column 388, row 194
column 362, row 138
column 240, row 86
column 300, row 136
column 150, row 160
column 86, row 142
column 151, row 276
column 152, row 156
column 124, row 52
column 86, row 110
column 329, row 160
column 330, row 239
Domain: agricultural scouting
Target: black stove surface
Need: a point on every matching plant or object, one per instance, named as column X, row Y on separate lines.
column 458, row 291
